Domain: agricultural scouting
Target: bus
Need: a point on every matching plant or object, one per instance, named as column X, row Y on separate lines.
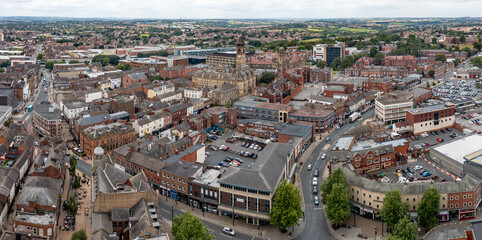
column 30, row 107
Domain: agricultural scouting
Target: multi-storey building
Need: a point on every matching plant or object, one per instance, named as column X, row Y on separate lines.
column 432, row 118
column 179, row 113
column 322, row 119
column 380, row 84
column 47, row 120
column 190, row 92
column 149, row 63
column 133, row 78
column 391, row 108
column 152, row 124
column 321, row 75
column 406, row 61
column 225, row 93
column 109, row 137
column 328, row 52
column 250, row 108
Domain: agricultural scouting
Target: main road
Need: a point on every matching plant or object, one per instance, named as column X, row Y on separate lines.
column 316, row 225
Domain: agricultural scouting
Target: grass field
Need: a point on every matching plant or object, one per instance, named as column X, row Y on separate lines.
column 357, row 29
column 145, row 35
column 312, row 40
column 462, row 46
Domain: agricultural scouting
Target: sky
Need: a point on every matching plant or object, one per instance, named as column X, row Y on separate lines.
column 199, row 9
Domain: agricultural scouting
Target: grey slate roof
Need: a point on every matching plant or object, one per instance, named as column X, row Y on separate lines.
column 93, row 119
column 266, row 171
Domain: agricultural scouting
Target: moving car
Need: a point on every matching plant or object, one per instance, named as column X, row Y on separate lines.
column 327, row 139
column 323, row 156
column 316, row 173
column 309, row 167
column 229, row 231
column 317, row 200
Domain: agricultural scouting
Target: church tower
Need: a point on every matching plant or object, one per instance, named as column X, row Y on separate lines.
column 240, row 53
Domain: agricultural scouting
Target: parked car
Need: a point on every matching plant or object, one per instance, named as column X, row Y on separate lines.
column 317, row 200
column 410, row 170
column 315, row 181
column 426, row 173
column 440, row 139
column 239, row 160
column 410, row 175
column 323, row 156
column 427, row 144
column 315, row 190
column 412, row 137
column 229, row 231
column 327, row 139
column 404, row 171
column 418, row 167
column 309, row 167
column 222, row 164
column 252, row 146
column 213, row 148
column 254, row 156
column 226, row 148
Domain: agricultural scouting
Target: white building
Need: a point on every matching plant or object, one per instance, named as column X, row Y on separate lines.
column 392, row 108
column 164, row 88
column 116, row 82
column 170, row 96
column 73, row 109
column 193, row 93
column 150, row 124
column 92, row 95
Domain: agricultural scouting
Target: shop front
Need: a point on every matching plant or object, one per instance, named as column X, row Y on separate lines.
column 466, row 214
column 444, row 216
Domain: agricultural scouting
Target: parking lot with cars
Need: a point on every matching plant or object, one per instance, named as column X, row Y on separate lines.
column 434, row 138
column 233, row 150
column 472, row 119
column 415, row 171
column 456, row 88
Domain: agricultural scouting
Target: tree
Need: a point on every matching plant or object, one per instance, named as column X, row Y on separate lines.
column 392, row 237
column 378, row 59
column 320, row 64
column 337, row 176
column 72, row 206
column 373, row 51
column 477, row 45
column 476, row 61
column 427, row 85
column 187, row 226
column 441, row 57
column 73, row 61
column 456, row 62
column 431, row 73
column 124, row 67
column 286, row 208
column 76, row 184
column 338, row 204
column 40, row 56
column 50, row 65
column 335, row 64
column 428, row 208
column 267, row 77
column 434, row 40
column 405, row 229
column 79, row 235
column 73, row 165
column 462, row 39
column 393, row 208
column 468, row 50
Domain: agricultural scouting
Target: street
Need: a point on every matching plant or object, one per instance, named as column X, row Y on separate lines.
column 168, row 210
column 316, row 226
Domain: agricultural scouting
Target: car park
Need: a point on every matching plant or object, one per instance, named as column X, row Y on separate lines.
column 229, row 231
column 317, row 200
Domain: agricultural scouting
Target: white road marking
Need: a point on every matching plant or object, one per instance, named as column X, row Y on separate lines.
column 319, row 208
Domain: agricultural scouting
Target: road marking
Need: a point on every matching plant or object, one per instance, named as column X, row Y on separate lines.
column 209, row 229
column 319, row 208
column 165, row 210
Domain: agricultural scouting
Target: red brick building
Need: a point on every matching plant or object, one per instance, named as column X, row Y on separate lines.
column 178, row 113
column 380, row 84
column 133, row 78
column 176, row 72
column 406, row 61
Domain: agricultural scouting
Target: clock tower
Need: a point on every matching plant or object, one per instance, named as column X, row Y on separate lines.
column 240, row 53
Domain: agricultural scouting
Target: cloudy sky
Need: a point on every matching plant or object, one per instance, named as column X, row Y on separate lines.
column 241, row 8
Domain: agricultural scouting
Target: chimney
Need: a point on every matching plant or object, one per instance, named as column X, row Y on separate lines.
column 131, row 149
column 139, row 143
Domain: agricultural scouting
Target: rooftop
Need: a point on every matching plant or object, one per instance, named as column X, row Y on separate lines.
column 465, row 146
column 48, row 111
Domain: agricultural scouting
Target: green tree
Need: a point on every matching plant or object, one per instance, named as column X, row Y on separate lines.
column 2, row 69
column 286, row 208
column 392, row 237
column 441, row 57
column 267, row 77
column 468, row 50
column 76, row 184
column 337, row 176
column 431, row 73
column 434, row 40
column 378, row 59
column 187, row 226
column 50, row 65
column 73, row 61
column 4, row 64
column 73, row 165
column 393, row 208
column 428, row 208
column 405, row 229
column 72, row 206
column 320, row 64
column 373, row 51
column 40, row 57
column 427, row 85
column 79, row 235
column 338, row 204
column 462, row 39
column 456, row 62
column 476, row 61
column 478, row 46
column 335, row 64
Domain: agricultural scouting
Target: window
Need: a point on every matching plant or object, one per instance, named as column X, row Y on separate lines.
column 34, row 230
column 456, row 197
column 465, row 196
column 178, row 180
column 470, row 203
column 465, row 204
column 470, row 195
column 370, row 156
column 456, row 205
column 451, row 206
column 49, row 231
column 388, row 158
column 443, row 205
column 41, row 231
column 369, row 162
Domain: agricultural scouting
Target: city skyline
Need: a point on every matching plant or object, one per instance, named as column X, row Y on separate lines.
column 216, row 9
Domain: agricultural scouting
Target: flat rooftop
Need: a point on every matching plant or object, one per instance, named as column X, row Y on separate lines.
column 460, row 148
column 367, row 144
column 343, row 143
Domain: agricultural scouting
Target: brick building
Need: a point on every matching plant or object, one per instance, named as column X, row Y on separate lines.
column 225, row 94
column 378, row 84
column 109, row 137
column 133, row 78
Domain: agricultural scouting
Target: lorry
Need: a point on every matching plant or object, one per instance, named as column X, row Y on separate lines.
column 354, row 116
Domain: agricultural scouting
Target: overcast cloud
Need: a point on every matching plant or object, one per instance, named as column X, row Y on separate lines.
column 241, row 8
